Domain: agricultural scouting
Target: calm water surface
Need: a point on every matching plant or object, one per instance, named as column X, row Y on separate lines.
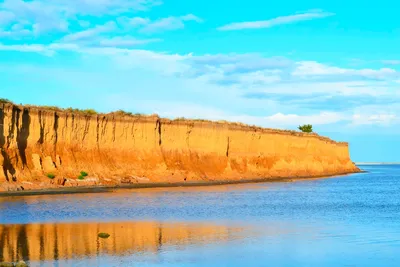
column 343, row 221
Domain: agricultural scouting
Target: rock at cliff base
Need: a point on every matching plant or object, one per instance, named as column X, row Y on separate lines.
column 6, row 264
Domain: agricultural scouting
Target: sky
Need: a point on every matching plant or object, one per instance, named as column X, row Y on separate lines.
column 332, row 64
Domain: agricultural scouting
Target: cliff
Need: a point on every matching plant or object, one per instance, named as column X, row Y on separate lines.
column 124, row 149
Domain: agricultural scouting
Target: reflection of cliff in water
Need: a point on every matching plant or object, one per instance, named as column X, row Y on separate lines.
column 39, row 242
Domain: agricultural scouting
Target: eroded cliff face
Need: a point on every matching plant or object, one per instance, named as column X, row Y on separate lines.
column 127, row 149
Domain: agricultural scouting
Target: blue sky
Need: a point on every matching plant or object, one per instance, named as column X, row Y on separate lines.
column 334, row 64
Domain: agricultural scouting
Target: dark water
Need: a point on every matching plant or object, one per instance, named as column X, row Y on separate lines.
column 343, row 221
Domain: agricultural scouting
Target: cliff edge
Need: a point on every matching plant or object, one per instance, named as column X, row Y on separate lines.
column 37, row 143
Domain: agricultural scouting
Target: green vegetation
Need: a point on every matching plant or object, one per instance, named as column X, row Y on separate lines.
column 21, row 264
column 51, row 175
column 87, row 112
column 306, row 128
column 123, row 113
column 103, row 235
column 90, row 111
column 82, row 111
column 82, row 175
column 5, row 101
column 180, row 119
column 49, row 107
column 72, row 110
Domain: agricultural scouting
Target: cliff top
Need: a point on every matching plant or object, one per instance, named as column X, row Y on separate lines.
column 121, row 115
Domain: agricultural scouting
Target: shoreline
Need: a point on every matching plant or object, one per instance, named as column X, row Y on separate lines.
column 105, row 189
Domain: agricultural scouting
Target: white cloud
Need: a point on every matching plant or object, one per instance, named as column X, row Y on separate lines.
column 243, row 73
column 391, row 62
column 84, row 23
column 276, row 21
column 376, row 119
column 40, row 15
column 315, row 119
column 312, row 68
column 233, row 63
column 15, row 32
column 191, row 17
column 63, row 46
column 101, row 7
column 50, row 26
column 35, row 48
column 126, row 41
column 169, row 23
column 6, row 17
column 277, row 120
column 133, row 22
column 55, row 15
column 282, row 112
column 263, row 75
column 89, row 34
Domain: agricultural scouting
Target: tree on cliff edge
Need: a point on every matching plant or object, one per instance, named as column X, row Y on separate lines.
column 306, row 128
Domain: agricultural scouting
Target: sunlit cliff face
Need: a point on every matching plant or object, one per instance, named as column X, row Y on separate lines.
column 135, row 149
column 42, row 242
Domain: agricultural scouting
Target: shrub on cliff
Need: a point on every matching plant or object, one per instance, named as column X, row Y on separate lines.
column 5, row 101
column 55, row 108
column 83, row 111
column 51, row 176
column 82, row 175
column 90, row 111
column 123, row 113
column 306, row 128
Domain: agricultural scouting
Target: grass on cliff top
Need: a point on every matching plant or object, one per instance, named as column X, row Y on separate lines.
column 83, row 111
column 5, row 101
column 71, row 110
column 130, row 114
column 88, row 112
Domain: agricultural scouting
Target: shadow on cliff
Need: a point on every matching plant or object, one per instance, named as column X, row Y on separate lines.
column 22, row 140
column 22, row 135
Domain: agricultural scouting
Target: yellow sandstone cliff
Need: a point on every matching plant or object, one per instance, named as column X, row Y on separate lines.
column 122, row 149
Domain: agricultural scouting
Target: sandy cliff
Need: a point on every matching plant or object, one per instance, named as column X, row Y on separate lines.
column 117, row 149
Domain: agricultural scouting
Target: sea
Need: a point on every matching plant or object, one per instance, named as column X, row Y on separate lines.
column 351, row 220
